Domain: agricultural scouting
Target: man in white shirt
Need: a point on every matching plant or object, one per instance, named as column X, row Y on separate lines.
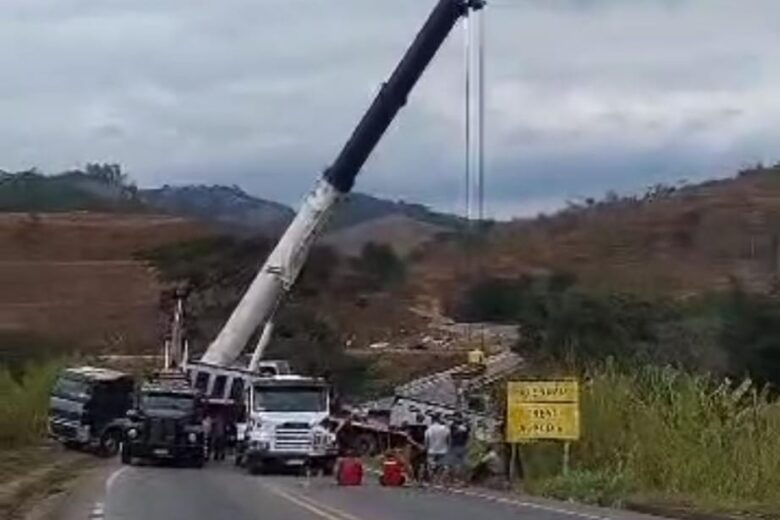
column 437, row 445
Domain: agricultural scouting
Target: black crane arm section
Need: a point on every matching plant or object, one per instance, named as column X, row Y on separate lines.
column 392, row 96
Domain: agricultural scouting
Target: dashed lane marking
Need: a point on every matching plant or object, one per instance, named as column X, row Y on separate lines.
column 522, row 503
column 97, row 511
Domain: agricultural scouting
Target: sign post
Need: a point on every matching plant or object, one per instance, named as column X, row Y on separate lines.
column 544, row 410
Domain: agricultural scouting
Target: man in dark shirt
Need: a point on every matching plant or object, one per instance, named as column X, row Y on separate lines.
column 460, row 433
column 416, row 434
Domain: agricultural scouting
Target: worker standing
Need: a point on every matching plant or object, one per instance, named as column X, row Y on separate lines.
column 460, row 434
column 416, row 434
column 208, row 426
column 437, row 446
column 218, row 436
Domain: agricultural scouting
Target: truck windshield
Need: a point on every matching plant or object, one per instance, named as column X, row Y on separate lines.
column 306, row 399
column 182, row 403
column 75, row 389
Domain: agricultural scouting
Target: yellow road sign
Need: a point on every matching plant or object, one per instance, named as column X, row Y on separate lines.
column 543, row 410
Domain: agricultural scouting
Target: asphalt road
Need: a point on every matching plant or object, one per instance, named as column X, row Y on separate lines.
column 224, row 492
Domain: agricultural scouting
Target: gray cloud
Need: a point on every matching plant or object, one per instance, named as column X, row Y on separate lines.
column 583, row 96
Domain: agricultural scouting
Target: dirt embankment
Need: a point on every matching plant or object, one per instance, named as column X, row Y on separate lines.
column 74, row 277
column 688, row 241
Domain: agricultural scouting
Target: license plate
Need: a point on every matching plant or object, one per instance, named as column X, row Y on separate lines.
column 295, row 462
column 161, row 451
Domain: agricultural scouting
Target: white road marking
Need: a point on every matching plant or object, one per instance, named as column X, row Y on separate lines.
column 510, row 501
column 114, row 476
column 523, row 503
column 97, row 511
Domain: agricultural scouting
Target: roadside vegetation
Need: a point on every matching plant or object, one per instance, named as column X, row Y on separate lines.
column 680, row 399
column 24, row 399
column 663, row 435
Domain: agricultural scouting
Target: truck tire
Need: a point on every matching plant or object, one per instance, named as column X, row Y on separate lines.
column 109, row 443
column 366, row 444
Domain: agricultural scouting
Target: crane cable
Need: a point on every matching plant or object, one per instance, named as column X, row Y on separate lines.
column 474, row 137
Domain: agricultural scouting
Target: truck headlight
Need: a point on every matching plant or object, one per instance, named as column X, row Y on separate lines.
column 192, row 437
column 132, row 433
column 82, row 434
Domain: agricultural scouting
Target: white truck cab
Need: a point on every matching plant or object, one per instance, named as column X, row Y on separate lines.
column 287, row 424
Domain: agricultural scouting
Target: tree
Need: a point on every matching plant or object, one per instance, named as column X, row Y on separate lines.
column 379, row 266
column 108, row 173
column 751, row 335
column 312, row 347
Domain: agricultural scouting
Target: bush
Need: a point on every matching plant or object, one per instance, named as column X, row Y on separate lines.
column 24, row 403
column 751, row 335
column 378, row 267
column 664, row 432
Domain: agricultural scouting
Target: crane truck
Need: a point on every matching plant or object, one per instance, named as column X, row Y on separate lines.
column 291, row 435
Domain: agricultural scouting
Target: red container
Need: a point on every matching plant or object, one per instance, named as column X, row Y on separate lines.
column 393, row 473
column 349, row 472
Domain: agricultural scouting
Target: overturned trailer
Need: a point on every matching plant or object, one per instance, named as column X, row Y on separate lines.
column 385, row 423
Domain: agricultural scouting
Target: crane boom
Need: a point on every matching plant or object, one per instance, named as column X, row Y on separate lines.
column 283, row 265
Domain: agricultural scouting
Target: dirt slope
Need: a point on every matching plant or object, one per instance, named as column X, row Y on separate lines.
column 404, row 234
column 679, row 242
column 73, row 277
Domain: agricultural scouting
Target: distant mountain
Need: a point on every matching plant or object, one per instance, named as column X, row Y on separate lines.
column 104, row 188
column 228, row 206
column 97, row 188
column 360, row 207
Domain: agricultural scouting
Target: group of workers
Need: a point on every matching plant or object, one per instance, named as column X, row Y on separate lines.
column 439, row 451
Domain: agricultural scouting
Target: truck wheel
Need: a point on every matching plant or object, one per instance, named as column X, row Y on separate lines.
column 109, row 443
column 366, row 444
column 257, row 468
column 197, row 462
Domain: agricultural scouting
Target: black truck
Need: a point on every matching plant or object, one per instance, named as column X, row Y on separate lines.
column 87, row 406
column 165, row 424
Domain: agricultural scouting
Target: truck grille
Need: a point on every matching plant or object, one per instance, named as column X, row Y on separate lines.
column 162, row 431
column 290, row 439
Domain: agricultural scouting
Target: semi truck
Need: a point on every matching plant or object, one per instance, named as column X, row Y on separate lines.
column 86, row 407
column 288, row 425
column 165, row 424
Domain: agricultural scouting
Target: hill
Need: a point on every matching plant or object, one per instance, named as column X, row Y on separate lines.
column 360, row 207
column 72, row 279
column 227, row 206
column 672, row 241
column 105, row 188
column 96, row 188
column 404, row 234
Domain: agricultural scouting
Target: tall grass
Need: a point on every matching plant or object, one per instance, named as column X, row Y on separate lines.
column 24, row 402
column 665, row 433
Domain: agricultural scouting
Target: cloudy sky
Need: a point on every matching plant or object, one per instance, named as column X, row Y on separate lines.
column 582, row 95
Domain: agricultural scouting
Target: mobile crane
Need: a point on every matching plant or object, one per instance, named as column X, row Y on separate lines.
column 215, row 374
